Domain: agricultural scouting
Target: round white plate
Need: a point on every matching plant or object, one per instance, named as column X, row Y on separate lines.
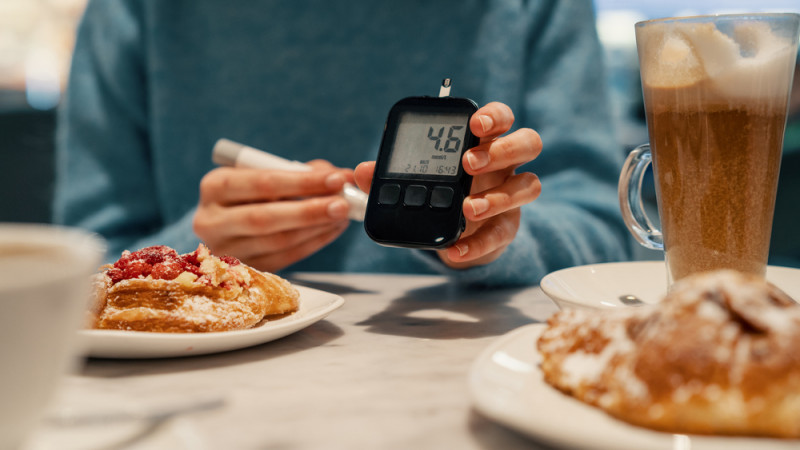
column 315, row 305
column 599, row 286
column 506, row 386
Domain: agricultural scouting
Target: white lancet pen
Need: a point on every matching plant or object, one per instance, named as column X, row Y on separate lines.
column 234, row 154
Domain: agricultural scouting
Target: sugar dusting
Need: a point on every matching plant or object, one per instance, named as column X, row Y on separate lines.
column 583, row 367
column 587, row 366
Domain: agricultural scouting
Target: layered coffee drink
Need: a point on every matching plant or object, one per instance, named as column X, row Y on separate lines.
column 716, row 107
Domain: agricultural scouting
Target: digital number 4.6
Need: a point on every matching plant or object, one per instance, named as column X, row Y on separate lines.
column 451, row 145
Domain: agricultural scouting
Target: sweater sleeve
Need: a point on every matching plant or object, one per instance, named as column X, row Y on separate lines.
column 104, row 181
column 576, row 219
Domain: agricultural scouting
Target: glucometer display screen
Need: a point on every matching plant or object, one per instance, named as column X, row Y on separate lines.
column 428, row 144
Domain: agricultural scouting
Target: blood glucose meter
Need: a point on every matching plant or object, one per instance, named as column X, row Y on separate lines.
column 419, row 185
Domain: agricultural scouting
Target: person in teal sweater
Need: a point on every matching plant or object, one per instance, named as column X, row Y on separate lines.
column 154, row 84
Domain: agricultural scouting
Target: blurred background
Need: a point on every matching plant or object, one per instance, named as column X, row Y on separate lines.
column 37, row 36
column 36, row 40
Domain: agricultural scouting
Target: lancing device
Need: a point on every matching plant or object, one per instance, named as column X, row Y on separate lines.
column 234, row 154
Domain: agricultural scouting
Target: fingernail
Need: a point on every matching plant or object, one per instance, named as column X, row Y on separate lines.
column 337, row 209
column 462, row 249
column 486, row 122
column 477, row 159
column 479, row 205
column 334, row 181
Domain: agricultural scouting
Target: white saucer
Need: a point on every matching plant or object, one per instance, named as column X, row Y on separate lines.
column 599, row 286
column 506, row 386
column 315, row 305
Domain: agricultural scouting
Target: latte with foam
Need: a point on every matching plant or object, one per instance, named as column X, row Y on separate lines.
column 715, row 97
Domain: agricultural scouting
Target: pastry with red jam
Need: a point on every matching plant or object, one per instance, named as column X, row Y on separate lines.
column 156, row 289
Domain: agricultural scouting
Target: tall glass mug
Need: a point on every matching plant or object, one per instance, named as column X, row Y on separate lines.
column 716, row 92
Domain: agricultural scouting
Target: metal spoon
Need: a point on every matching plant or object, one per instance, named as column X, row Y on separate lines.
column 631, row 300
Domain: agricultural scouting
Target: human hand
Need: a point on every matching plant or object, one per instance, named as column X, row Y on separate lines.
column 270, row 219
column 492, row 210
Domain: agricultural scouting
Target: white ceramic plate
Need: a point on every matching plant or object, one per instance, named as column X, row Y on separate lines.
column 506, row 386
column 315, row 305
column 599, row 286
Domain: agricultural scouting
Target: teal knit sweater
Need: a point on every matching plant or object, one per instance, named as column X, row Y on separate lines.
column 155, row 83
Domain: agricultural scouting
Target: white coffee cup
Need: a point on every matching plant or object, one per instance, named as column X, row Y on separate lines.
column 44, row 290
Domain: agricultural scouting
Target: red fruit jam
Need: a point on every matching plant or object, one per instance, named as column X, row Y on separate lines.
column 232, row 261
column 160, row 262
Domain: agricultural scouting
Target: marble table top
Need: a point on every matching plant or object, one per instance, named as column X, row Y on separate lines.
column 387, row 370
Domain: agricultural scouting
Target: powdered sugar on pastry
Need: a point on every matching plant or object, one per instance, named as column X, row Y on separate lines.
column 716, row 356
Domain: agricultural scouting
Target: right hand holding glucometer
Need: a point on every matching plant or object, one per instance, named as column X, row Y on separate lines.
column 492, row 208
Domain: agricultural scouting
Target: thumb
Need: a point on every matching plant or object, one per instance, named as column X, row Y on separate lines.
column 363, row 175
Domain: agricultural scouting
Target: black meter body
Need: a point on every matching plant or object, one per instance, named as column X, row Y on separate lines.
column 419, row 184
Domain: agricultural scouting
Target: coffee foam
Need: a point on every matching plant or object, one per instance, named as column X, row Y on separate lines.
column 752, row 62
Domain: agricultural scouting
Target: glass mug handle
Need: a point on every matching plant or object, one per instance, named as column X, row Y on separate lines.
column 630, row 199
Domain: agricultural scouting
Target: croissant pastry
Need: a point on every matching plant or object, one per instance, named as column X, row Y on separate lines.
column 718, row 356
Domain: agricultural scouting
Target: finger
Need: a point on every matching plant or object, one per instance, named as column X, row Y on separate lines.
column 230, row 186
column 264, row 218
column 516, row 191
column 486, row 244
column 258, row 246
column 363, row 175
column 512, row 150
column 321, row 164
column 276, row 261
column 491, row 121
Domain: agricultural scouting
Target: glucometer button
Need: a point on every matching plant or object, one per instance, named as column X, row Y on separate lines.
column 415, row 195
column 442, row 197
column 389, row 194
